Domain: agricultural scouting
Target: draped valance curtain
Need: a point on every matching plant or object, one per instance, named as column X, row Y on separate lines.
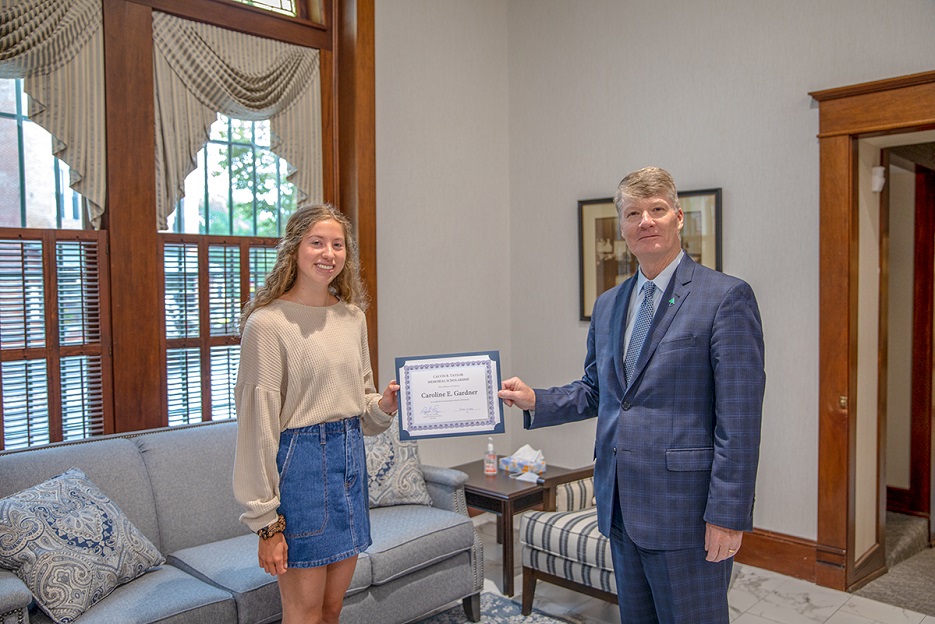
column 57, row 48
column 201, row 70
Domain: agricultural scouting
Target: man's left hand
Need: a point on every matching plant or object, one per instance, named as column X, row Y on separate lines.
column 721, row 543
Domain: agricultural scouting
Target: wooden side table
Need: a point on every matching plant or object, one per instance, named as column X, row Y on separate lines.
column 503, row 496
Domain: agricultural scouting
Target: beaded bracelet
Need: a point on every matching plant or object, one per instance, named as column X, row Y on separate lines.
column 277, row 527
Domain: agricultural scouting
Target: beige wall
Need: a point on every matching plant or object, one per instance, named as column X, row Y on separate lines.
column 494, row 118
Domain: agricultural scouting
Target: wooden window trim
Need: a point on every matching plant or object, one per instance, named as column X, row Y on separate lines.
column 250, row 20
column 348, row 121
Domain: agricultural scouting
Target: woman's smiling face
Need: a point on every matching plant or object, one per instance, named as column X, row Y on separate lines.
column 321, row 254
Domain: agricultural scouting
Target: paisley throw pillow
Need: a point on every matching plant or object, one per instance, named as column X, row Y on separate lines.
column 394, row 470
column 70, row 544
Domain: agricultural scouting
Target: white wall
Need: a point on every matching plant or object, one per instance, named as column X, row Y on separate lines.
column 443, row 212
column 494, row 118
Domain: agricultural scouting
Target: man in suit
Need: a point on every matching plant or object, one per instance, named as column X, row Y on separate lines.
column 676, row 381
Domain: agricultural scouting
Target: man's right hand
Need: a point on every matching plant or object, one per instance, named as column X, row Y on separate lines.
column 517, row 393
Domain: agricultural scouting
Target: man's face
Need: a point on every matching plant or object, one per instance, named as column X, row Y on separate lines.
column 651, row 228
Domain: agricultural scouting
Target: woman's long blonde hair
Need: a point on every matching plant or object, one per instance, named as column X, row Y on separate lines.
column 347, row 286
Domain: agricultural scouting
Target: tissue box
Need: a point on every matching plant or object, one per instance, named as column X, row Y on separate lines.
column 510, row 464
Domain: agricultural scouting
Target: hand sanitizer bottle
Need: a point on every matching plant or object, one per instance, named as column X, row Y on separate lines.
column 490, row 459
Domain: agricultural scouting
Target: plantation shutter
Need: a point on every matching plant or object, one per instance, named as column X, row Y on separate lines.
column 52, row 328
column 207, row 281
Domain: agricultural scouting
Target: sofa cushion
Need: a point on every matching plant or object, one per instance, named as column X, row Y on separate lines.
column 412, row 597
column 571, row 535
column 410, row 537
column 70, row 544
column 231, row 564
column 166, row 595
column 13, row 593
column 394, row 470
column 187, row 460
column 114, row 465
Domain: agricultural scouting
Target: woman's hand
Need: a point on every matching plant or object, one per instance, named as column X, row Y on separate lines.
column 273, row 554
column 389, row 402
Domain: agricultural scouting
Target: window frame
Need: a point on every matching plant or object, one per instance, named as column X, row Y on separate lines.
column 133, row 291
column 252, row 20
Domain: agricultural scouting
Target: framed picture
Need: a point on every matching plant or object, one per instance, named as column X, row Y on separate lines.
column 605, row 260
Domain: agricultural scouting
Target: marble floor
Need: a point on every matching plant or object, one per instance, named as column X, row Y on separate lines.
column 757, row 596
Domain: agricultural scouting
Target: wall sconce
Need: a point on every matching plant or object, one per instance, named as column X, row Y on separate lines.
column 877, row 179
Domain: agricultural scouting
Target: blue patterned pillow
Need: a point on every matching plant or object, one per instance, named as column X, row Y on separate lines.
column 394, row 470
column 70, row 544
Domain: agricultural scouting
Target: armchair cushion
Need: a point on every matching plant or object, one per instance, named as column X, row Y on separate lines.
column 394, row 470
column 70, row 544
column 575, row 495
column 570, row 535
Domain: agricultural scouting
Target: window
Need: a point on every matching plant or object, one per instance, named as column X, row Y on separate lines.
column 203, row 316
column 86, row 317
column 53, row 325
column 52, row 319
column 286, row 7
column 221, row 247
column 239, row 187
column 306, row 9
column 34, row 189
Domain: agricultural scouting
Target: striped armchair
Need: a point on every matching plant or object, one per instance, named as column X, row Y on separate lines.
column 563, row 546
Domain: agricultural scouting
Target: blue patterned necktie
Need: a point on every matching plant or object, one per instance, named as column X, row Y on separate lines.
column 644, row 319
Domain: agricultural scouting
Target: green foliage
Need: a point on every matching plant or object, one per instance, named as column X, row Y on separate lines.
column 259, row 199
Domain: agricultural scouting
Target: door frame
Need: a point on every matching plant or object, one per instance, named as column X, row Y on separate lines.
column 916, row 499
column 903, row 104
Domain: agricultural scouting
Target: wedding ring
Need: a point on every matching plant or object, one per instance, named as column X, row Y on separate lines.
column 731, row 550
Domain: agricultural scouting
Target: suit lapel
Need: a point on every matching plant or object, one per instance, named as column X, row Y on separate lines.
column 621, row 307
column 675, row 295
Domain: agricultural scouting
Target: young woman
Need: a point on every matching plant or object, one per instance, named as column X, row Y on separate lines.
column 305, row 396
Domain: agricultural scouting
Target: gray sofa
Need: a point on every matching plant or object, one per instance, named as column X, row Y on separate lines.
column 175, row 486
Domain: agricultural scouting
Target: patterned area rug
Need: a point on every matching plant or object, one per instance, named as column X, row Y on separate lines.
column 494, row 610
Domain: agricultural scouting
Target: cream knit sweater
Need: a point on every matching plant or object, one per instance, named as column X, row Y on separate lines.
column 299, row 366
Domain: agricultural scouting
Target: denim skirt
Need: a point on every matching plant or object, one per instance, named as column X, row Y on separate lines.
column 323, row 492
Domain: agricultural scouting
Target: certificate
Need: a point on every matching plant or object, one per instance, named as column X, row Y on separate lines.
column 449, row 395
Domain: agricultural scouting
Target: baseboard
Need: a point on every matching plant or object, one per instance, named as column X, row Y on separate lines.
column 785, row 554
column 901, row 500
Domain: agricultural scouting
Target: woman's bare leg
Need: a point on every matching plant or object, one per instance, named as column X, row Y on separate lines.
column 315, row 595
column 339, row 579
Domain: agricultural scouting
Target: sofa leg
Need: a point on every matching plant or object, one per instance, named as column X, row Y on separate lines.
column 472, row 607
column 529, row 589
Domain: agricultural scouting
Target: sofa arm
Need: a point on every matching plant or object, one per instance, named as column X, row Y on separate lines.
column 446, row 488
column 14, row 598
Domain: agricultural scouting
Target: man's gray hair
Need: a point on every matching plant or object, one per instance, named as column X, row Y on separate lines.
column 643, row 183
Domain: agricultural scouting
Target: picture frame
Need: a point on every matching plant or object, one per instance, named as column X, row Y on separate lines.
column 604, row 259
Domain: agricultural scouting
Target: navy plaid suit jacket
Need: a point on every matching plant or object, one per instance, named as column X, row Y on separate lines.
column 682, row 441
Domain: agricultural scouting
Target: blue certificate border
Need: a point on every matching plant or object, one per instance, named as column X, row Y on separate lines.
column 411, row 432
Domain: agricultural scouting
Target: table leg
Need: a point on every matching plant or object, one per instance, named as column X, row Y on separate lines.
column 506, row 521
